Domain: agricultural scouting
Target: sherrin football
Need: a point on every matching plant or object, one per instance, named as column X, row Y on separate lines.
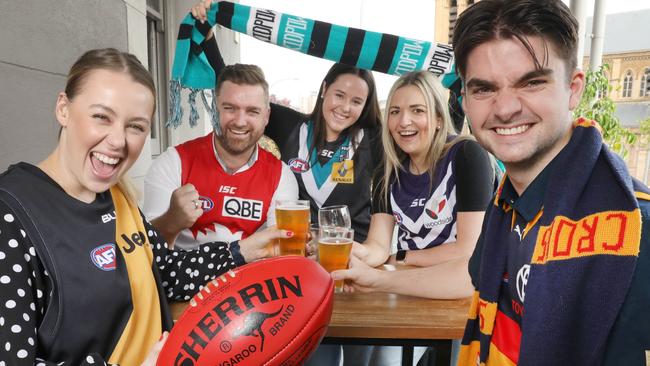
column 270, row 312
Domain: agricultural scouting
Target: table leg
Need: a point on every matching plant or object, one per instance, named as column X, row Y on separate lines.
column 443, row 353
column 407, row 355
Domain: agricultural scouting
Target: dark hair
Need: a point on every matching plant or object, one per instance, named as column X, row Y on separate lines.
column 243, row 74
column 107, row 59
column 488, row 20
column 369, row 117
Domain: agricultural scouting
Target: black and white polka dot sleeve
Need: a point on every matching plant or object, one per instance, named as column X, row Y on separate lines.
column 26, row 289
column 185, row 272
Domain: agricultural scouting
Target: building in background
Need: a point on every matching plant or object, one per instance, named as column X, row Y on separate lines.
column 35, row 56
column 447, row 12
column 628, row 57
column 627, row 53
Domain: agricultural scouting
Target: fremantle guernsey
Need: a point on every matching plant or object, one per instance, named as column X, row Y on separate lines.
column 234, row 206
column 425, row 210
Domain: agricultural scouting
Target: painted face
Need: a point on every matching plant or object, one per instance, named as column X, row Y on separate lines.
column 408, row 121
column 104, row 129
column 520, row 114
column 244, row 112
column 343, row 102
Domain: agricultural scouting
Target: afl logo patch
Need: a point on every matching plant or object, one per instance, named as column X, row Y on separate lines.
column 206, row 203
column 298, row 165
column 104, row 257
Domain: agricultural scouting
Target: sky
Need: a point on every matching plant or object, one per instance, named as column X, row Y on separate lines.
column 291, row 74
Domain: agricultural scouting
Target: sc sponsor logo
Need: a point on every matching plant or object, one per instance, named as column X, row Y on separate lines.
column 103, row 257
column 242, row 208
column 298, row 165
column 206, row 203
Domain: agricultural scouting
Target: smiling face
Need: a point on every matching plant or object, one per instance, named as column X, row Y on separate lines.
column 408, row 122
column 518, row 112
column 244, row 112
column 343, row 102
column 105, row 127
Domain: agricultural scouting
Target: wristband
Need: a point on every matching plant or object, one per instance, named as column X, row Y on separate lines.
column 400, row 257
column 236, row 253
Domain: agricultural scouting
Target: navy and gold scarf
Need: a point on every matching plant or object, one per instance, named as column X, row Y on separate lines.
column 584, row 258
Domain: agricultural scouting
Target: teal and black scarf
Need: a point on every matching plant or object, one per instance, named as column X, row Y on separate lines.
column 584, row 259
column 380, row 52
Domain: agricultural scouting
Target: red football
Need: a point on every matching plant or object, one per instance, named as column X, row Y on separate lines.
column 269, row 312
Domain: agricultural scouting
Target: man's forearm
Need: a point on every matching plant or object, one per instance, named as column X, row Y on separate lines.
column 167, row 230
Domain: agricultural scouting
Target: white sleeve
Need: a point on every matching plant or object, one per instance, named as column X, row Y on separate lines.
column 162, row 178
column 287, row 190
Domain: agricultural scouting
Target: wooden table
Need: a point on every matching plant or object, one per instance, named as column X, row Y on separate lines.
column 393, row 320
column 397, row 320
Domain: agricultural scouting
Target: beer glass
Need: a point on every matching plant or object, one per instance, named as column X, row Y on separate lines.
column 334, row 216
column 334, row 246
column 293, row 215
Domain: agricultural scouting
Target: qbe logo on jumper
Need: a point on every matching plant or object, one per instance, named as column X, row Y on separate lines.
column 242, row 208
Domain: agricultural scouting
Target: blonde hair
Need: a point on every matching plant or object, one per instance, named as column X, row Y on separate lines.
column 436, row 103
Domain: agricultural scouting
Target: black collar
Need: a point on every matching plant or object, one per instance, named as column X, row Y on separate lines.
column 531, row 201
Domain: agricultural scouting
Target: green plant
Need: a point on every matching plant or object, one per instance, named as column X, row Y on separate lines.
column 597, row 105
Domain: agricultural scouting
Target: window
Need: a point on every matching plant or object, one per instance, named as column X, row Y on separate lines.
column 603, row 93
column 627, row 84
column 645, row 83
column 157, row 51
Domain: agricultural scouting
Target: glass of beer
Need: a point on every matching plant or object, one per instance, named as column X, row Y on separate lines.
column 293, row 215
column 334, row 246
column 334, row 216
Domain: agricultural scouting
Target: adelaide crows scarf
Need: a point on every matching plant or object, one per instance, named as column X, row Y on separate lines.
column 380, row 52
column 583, row 261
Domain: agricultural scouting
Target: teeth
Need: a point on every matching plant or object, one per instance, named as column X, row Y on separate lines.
column 407, row 133
column 339, row 116
column 512, row 131
column 238, row 132
column 105, row 159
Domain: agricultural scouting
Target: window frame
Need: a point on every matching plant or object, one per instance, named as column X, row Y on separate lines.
column 157, row 49
column 628, row 80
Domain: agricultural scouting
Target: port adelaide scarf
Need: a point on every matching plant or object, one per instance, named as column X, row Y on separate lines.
column 380, row 52
column 585, row 250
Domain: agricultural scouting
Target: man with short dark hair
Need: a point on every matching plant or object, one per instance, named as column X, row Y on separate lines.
column 562, row 265
column 221, row 186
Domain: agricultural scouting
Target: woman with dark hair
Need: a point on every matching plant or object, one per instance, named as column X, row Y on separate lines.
column 84, row 276
column 341, row 135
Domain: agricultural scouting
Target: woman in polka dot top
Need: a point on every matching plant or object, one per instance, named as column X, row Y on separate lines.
column 74, row 290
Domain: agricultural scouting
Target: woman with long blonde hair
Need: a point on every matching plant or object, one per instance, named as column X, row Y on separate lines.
column 434, row 186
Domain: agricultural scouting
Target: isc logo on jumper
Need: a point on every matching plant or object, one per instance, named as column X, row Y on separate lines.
column 242, row 208
column 104, row 257
column 206, row 203
column 298, row 165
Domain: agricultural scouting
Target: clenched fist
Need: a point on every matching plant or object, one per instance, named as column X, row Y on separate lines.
column 184, row 209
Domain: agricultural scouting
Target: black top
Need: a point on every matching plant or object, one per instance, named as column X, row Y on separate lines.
column 66, row 293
